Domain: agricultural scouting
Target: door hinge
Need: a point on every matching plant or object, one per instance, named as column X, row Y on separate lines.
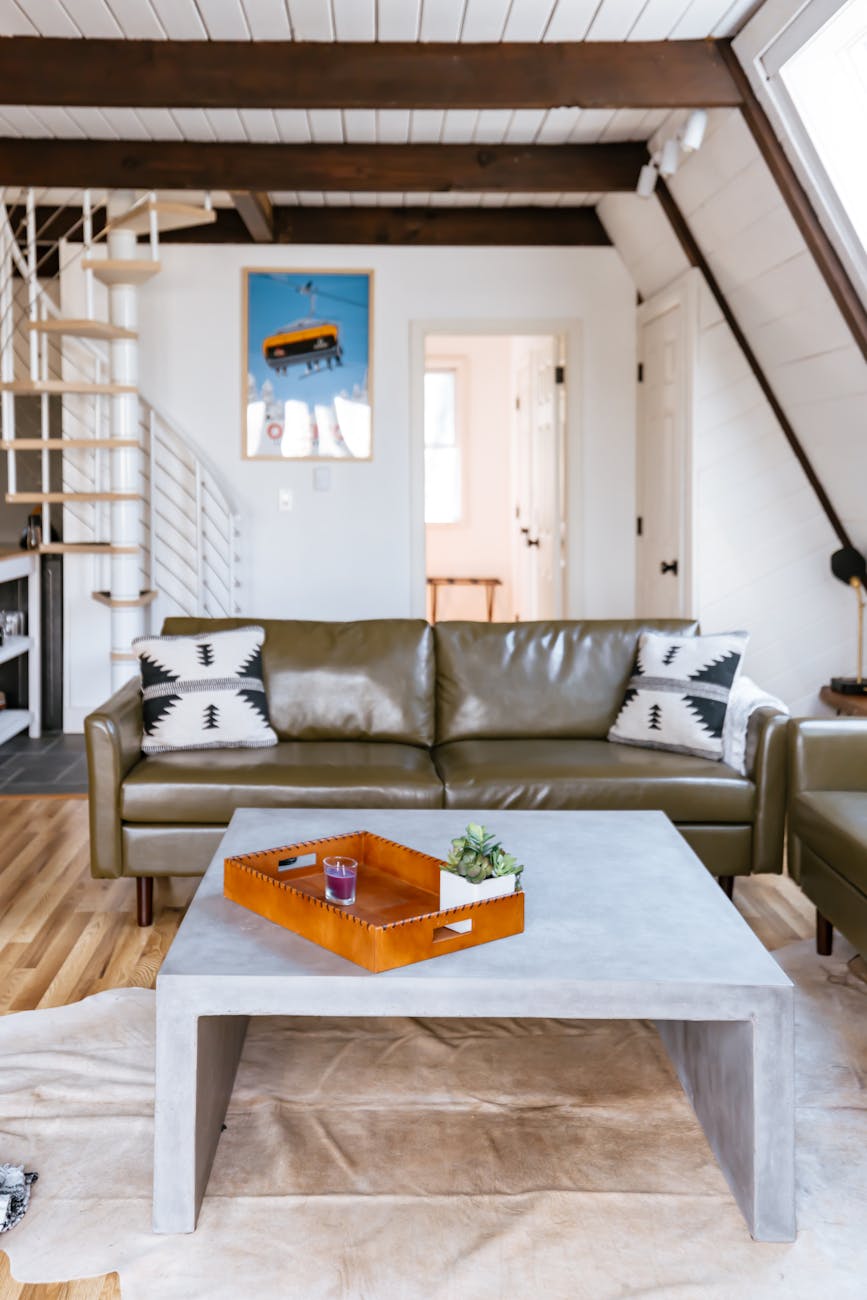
column 639, row 525
column 641, row 372
column 559, row 374
column 517, row 403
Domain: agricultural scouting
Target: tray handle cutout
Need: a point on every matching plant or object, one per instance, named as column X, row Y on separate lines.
column 456, row 933
column 303, row 860
column 452, row 930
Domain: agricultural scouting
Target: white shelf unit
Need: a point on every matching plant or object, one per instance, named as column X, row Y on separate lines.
column 14, row 565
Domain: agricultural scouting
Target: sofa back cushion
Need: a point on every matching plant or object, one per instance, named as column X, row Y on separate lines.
column 371, row 680
column 541, row 680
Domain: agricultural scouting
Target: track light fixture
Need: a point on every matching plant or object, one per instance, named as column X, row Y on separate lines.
column 666, row 160
column 646, row 180
column 693, row 130
column 669, row 157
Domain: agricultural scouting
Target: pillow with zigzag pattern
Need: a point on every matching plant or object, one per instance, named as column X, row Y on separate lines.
column 204, row 691
column 678, row 693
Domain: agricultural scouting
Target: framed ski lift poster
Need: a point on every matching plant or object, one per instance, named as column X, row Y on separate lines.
column 308, row 387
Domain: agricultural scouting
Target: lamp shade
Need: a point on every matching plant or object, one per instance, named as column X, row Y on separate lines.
column 848, row 564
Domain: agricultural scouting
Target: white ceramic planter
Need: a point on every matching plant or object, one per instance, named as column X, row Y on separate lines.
column 456, row 891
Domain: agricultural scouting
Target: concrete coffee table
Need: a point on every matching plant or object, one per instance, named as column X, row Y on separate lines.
column 622, row 922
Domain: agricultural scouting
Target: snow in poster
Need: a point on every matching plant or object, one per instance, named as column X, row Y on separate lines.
column 307, row 359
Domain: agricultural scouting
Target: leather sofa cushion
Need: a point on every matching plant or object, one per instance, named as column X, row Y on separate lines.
column 370, row 680
column 206, row 786
column 536, row 680
column 833, row 824
column 565, row 774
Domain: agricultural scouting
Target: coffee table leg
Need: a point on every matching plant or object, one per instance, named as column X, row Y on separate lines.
column 196, row 1061
column 739, row 1077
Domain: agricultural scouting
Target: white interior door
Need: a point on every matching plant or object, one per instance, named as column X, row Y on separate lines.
column 539, row 524
column 523, row 565
column 663, row 560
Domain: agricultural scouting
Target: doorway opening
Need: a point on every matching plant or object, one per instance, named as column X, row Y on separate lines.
column 495, row 524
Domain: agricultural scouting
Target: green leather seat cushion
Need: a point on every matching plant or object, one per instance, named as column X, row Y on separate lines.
column 566, row 774
column 206, row 786
column 833, row 824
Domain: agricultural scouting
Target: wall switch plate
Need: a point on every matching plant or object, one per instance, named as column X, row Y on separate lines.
column 284, row 499
column 322, row 479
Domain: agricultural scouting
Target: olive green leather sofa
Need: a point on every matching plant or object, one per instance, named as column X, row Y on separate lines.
column 395, row 713
column 827, row 850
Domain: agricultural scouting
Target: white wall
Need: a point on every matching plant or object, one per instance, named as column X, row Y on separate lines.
column 480, row 543
column 763, row 543
column 357, row 551
column 350, row 553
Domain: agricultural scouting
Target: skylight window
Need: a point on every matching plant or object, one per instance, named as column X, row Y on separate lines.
column 817, row 70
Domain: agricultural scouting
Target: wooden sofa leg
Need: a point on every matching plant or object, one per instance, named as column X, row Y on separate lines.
column 144, row 900
column 727, row 885
column 824, row 935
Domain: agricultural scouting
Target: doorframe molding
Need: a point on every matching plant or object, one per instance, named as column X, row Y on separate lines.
column 570, row 331
column 684, row 293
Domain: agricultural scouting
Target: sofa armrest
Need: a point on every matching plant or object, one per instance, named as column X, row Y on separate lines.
column 827, row 754
column 113, row 734
column 766, row 759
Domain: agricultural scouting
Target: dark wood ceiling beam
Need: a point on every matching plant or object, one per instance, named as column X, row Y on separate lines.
column 565, row 227
column 255, row 210
column 293, row 74
column 696, row 258
column 530, row 226
column 800, row 205
column 426, row 168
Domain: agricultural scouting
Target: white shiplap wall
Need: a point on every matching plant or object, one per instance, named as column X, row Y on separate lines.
column 762, row 541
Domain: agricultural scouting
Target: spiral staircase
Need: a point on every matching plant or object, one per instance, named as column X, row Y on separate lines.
column 138, row 503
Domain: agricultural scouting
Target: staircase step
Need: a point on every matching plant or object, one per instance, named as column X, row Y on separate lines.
column 54, row 387
column 119, row 602
column 121, row 270
column 65, row 444
column 86, row 548
column 82, row 329
column 59, row 498
column 170, row 216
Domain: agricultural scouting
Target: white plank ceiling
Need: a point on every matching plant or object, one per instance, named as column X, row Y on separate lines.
column 334, row 126
column 382, row 20
column 363, row 20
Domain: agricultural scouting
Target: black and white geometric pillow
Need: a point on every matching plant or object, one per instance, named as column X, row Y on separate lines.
column 204, row 691
column 679, row 691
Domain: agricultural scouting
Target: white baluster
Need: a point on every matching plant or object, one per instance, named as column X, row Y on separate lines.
column 32, row 285
column 7, row 343
column 87, row 210
column 154, row 224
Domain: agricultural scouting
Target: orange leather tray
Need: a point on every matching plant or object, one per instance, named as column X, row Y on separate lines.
column 396, row 918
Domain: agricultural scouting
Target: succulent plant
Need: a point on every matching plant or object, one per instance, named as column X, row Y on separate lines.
column 477, row 856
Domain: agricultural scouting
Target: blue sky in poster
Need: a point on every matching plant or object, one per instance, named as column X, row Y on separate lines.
column 275, row 301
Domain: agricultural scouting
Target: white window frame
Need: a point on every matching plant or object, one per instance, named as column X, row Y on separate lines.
column 459, row 367
column 767, row 41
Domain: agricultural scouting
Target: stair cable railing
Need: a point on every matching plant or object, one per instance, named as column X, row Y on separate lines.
column 189, row 526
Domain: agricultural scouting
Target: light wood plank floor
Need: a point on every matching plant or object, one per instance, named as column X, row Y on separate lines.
column 64, row 936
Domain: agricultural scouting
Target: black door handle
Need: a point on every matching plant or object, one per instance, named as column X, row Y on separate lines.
column 668, row 568
column 532, row 541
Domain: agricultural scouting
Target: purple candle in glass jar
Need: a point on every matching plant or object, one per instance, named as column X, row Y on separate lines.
column 340, row 877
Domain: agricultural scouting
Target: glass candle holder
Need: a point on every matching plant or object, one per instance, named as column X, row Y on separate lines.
column 340, row 878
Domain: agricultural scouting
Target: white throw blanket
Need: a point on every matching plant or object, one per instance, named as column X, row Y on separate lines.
column 745, row 698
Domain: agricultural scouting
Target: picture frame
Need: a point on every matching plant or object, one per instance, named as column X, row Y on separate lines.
column 307, row 375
